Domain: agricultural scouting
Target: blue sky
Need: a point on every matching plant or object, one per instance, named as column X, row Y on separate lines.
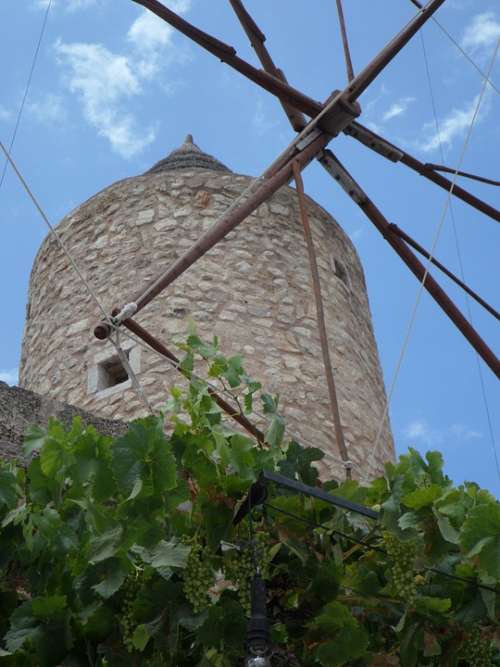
column 115, row 89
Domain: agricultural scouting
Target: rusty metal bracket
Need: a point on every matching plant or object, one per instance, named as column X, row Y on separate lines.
column 337, row 172
column 373, row 141
column 341, row 114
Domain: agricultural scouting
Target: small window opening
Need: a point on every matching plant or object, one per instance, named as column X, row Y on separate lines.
column 112, row 372
column 340, row 270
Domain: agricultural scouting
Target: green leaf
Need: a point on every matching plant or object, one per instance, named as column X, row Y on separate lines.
column 165, row 554
column 136, row 489
column 333, row 616
column 164, row 465
column 241, row 456
column 187, row 364
column 49, row 608
column 129, row 457
column 269, row 403
column 34, row 439
column 15, row 516
column 433, row 604
column 23, row 627
column 234, row 371
column 411, row 643
column 349, row 645
column 111, row 583
column 480, row 537
column 489, row 598
column 217, row 367
column 106, row 545
column 347, row 640
column 275, row 432
column 140, row 637
column 446, row 529
column 409, row 520
column 422, row 497
column 9, row 489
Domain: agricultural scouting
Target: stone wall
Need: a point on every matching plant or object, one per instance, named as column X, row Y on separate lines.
column 20, row 408
column 252, row 290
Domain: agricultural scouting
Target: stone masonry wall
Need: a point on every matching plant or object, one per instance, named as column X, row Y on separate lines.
column 252, row 290
column 20, row 408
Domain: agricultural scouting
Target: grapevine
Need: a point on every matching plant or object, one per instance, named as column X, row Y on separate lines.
column 477, row 649
column 321, row 605
column 130, row 588
column 402, row 555
column 240, row 566
column 198, row 578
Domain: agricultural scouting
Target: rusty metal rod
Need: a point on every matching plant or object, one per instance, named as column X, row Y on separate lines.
column 216, row 233
column 320, row 313
column 430, row 284
column 277, row 87
column 428, row 173
column 233, row 412
column 345, row 41
column 414, row 244
column 362, row 80
column 305, row 104
column 257, row 39
column 227, row 54
column 465, row 174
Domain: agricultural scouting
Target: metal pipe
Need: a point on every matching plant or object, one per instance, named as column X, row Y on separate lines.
column 426, row 172
column 361, row 82
column 153, row 342
column 320, row 313
column 430, row 284
column 277, row 87
column 345, row 42
column 257, row 39
column 414, row 244
column 220, row 229
column 465, row 174
column 227, row 54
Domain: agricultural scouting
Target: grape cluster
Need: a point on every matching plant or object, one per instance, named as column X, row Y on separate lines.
column 239, row 567
column 130, row 588
column 477, row 650
column 198, row 578
column 402, row 555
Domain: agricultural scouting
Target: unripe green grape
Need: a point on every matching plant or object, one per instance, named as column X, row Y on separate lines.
column 402, row 555
column 198, row 578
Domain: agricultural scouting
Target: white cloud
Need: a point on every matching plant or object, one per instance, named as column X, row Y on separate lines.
column 5, row 114
column 454, row 125
column 49, row 109
column 419, row 431
column 9, row 376
column 103, row 80
column 398, row 108
column 375, row 118
column 482, row 34
column 261, row 121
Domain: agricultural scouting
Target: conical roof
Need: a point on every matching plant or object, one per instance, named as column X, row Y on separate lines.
column 187, row 156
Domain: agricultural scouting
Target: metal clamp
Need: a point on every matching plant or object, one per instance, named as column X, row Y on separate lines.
column 337, row 171
column 374, row 142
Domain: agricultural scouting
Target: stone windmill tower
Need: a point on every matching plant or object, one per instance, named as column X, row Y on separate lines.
column 252, row 290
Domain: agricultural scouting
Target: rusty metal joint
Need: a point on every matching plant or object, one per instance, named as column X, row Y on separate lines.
column 308, row 139
column 102, row 331
column 340, row 115
column 376, row 143
column 343, row 178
